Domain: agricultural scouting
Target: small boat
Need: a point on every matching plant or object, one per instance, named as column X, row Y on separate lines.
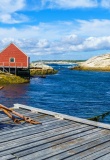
column 1, row 87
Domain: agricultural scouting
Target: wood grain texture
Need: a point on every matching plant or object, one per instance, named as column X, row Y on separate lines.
column 58, row 137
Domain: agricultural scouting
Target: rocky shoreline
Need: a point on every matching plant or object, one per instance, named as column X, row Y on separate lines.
column 39, row 70
column 35, row 72
column 107, row 69
column 97, row 63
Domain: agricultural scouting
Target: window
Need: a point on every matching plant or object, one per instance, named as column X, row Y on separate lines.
column 12, row 59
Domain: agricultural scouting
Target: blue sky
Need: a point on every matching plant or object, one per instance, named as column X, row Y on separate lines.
column 56, row 29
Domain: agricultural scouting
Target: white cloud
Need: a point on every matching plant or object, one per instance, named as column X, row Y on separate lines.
column 105, row 3
column 59, row 37
column 94, row 27
column 41, row 31
column 8, row 11
column 44, row 47
column 12, row 19
column 72, row 39
column 93, row 44
column 66, row 4
column 60, row 47
column 10, row 6
column 56, row 30
column 69, row 3
column 43, row 43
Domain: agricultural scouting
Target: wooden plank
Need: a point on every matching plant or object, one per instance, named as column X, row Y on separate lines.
column 41, row 141
column 22, row 110
column 69, row 138
column 59, row 151
column 98, row 152
column 80, row 120
column 11, row 127
column 38, row 137
column 83, row 150
column 44, row 145
column 6, row 119
column 105, row 157
column 25, row 127
column 30, row 130
column 8, row 157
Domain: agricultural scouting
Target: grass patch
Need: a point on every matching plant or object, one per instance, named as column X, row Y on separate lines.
column 6, row 78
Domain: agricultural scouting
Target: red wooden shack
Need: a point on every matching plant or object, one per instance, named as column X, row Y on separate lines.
column 13, row 58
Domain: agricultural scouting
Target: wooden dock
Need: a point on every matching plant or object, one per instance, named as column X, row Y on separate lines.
column 59, row 137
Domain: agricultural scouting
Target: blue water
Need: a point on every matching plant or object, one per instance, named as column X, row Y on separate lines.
column 78, row 93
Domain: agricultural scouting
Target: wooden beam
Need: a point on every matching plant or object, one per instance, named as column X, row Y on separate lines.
column 63, row 116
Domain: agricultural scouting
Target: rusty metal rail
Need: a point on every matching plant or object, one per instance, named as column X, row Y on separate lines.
column 12, row 114
column 1, row 87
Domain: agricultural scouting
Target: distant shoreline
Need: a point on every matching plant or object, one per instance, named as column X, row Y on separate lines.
column 101, row 69
column 60, row 61
column 97, row 63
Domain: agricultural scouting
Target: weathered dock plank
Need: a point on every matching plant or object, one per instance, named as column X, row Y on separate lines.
column 56, row 148
column 95, row 153
column 105, row 157
column 36, row 137
column 8, row 157
column 58, row 137
column 80, row 120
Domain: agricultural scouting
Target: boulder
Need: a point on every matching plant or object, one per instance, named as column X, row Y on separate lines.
column 97, row 63
column 40, row 66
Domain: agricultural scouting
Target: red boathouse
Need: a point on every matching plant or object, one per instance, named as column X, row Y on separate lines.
column 13, row 60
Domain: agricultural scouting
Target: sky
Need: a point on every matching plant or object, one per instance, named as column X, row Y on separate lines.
column 56, row 29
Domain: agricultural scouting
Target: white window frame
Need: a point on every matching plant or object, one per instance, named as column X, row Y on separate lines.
column 13, row 59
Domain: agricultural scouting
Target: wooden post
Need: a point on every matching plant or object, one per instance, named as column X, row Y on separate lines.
column 3, row 66
column 9, row 69
column 15, row 70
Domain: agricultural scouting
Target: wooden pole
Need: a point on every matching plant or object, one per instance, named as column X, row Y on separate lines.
column 3, row 66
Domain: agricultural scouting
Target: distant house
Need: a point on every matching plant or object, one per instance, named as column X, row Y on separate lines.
column 13, row 59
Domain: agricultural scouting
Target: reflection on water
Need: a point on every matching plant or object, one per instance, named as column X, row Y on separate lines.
column 11, row 94
column 15, row 91
column 77, row 93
